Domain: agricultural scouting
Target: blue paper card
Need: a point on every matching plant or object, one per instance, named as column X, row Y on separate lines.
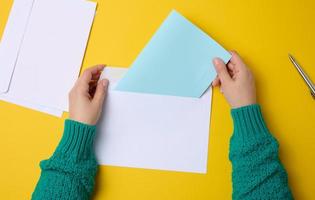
column 177, row 61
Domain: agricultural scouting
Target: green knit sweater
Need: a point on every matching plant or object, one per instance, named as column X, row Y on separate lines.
column 257, row 171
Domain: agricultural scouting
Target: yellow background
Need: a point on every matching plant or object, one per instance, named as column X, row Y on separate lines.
column 263, row 32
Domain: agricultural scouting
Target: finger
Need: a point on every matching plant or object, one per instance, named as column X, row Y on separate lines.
column 236, row 59
column 88, row 73
column 216, row 82
column 83, row 83
column 96, row 77
column 231, row 66
column 100, row 92
column 231, row 69
column 222, row 70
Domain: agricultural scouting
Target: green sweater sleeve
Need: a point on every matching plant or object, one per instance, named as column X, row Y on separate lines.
column 257, row 170
column 69, row 173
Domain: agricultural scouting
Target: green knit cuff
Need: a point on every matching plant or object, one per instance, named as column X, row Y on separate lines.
column 77, row 140
column 249, row 123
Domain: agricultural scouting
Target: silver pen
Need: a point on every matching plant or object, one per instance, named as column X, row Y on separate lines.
column 303, row 75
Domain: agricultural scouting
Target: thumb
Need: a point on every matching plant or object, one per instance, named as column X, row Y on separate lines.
column 221, row 69
column 100, row 92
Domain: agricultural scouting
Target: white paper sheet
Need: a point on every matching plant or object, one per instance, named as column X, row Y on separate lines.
column 153, row 131
column 52, row 52
column 11, row 40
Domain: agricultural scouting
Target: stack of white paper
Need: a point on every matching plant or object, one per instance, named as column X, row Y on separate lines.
column 41, row 52
column 153, row 131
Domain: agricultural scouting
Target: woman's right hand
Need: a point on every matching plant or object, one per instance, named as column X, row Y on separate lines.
column 87, row 96
column 236, row 81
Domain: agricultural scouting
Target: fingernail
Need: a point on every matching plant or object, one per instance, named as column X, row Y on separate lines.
column 216, row 61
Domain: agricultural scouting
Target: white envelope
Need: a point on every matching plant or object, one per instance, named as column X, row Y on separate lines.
column 153, row 131
column 33, row 106
column 12, row 39
column 41, row 52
